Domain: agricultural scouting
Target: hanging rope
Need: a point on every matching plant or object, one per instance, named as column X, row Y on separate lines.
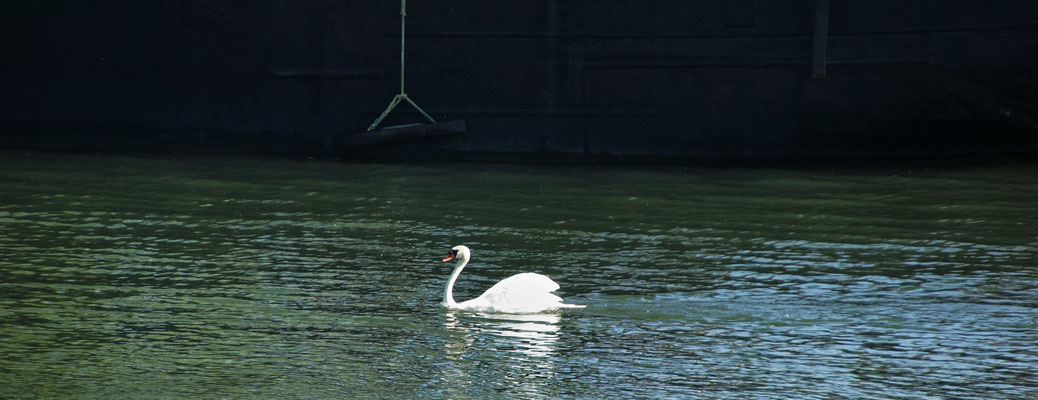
column 402, row 95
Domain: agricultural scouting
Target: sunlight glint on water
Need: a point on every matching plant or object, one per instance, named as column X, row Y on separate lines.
column 127, row 277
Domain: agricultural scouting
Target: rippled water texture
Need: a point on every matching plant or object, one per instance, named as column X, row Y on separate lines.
column 124, row 277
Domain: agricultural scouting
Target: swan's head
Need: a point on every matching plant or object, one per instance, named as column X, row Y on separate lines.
column 457, row 251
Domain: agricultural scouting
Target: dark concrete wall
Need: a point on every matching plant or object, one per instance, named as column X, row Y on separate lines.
column 672, row 77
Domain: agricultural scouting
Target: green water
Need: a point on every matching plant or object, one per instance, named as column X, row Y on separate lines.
column 132, row 277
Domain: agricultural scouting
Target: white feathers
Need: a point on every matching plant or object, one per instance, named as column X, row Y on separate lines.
column 523, row 293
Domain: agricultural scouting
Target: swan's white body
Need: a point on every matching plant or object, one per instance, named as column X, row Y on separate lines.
column 522, row 293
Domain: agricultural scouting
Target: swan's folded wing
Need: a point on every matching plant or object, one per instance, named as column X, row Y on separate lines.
column 527, row 282
column 525, row 292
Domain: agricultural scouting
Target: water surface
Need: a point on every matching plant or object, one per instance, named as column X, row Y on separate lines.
column 134, row 277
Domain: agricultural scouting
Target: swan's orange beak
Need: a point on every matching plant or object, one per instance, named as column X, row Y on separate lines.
column 450, row 255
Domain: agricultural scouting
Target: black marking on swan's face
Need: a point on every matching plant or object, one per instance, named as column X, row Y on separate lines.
column 450, row 255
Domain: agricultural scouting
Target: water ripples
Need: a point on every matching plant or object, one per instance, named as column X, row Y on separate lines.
column 124, row 277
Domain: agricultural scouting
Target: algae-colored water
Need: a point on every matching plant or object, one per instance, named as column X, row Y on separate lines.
column 137, row 277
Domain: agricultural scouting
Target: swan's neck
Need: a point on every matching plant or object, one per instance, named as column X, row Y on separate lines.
column 448, row 293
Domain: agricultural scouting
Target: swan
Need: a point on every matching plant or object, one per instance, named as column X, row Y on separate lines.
column 524, row 293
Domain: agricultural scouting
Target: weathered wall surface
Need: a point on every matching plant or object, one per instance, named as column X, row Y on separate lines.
column 660, row 77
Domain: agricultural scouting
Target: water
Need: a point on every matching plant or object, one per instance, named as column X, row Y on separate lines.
column 126, row 277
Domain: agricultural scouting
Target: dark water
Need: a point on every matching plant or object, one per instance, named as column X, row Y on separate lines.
column 126, row 277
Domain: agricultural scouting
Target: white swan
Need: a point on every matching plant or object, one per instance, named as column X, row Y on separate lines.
column 521, row 294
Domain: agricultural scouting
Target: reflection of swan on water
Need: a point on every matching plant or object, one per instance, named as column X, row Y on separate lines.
column 518, row 349
column 531, row 334
column 527, row 335
column 522, row 293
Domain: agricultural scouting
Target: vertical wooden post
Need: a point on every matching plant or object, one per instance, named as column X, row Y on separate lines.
column 821, row 39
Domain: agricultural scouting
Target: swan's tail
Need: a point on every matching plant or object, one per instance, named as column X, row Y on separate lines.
column 572, row 306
